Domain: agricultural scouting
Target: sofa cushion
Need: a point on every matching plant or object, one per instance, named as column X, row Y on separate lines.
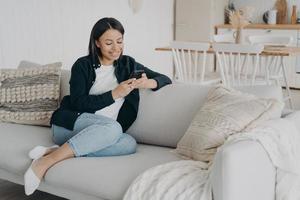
column 104, row 177
column 108, row 177
column 16, row 140
column 29, row 95
column 164, row 115
column 225, row 112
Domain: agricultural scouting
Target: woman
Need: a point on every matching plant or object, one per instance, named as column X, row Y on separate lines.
column 102, row 105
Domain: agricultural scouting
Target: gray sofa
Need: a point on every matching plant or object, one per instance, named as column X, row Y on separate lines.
column 162, row 120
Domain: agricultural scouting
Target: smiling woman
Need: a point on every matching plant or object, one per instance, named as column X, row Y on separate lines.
column 103, row 103
column 111, row 45
column 106, row 40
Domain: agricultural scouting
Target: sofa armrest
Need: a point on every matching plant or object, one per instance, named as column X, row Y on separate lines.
column 244, row 171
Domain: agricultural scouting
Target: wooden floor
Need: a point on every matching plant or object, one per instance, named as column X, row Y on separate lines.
column 11, row 191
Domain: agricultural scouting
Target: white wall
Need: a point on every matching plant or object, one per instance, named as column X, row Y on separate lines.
column 58, row 30
column 262, row 6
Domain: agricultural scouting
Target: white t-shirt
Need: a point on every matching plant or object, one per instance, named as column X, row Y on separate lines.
column 105, row 81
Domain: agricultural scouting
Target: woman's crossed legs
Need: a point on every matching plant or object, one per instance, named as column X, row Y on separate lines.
column 93, row 136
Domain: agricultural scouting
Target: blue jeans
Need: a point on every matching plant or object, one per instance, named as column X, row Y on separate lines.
column 94, row 136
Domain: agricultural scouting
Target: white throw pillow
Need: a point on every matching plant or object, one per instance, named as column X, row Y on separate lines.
column 225, row 112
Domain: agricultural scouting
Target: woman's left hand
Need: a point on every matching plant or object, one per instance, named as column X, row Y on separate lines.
column 144, row 82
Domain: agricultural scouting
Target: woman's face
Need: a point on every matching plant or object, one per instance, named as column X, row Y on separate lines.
column 111, row 46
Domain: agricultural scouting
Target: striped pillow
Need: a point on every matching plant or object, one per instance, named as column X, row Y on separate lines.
column 29, row 95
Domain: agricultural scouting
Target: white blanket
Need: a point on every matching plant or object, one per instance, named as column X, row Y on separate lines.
column 190, row 179
column 179, row 180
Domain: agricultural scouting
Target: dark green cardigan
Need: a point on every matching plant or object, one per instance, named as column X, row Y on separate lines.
column 82, row 78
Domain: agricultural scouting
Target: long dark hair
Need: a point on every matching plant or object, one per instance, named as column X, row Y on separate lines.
column 99, row 28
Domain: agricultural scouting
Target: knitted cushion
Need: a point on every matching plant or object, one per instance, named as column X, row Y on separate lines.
column 225, row 112
column 29, row 95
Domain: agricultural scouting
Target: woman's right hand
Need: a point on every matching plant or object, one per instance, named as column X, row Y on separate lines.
column 123, row 89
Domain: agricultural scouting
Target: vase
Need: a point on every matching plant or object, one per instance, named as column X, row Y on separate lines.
column 238, row 35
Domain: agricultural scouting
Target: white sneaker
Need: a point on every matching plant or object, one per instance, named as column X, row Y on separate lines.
column 38, row 151
column 31, row 181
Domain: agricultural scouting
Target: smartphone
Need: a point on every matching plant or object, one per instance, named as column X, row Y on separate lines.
column 137, row 73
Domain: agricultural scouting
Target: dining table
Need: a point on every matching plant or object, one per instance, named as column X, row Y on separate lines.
column 279, row 51
column 269, row 50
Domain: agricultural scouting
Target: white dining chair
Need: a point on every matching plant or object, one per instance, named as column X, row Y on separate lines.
column 190, row 59
column 238, row 63
column 271, row 63
column 274, row 64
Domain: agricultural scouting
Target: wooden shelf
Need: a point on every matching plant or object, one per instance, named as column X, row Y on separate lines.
column 265, row 26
